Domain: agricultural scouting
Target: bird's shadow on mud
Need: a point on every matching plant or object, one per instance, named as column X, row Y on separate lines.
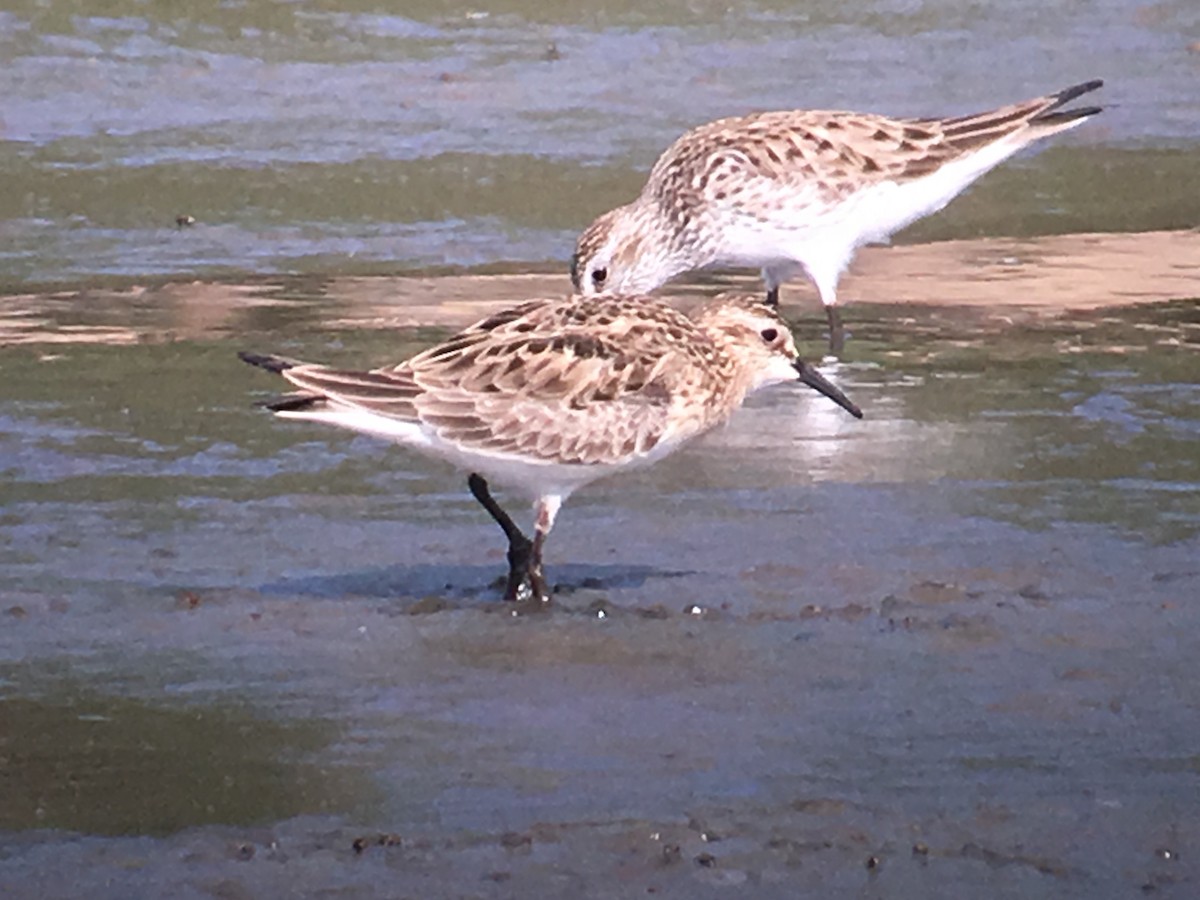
column 461, row 586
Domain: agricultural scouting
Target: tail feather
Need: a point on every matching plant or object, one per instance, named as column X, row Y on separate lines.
column 268, row 361
column 1039, row 118
column 1056, row 121
column 1068, row 94
column 389, row 393
column 1054, row 118
column 297, row 402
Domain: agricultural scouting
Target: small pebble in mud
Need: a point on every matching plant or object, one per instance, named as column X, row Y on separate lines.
column 387, row 839
column 525, row 607
column 184, row 221
column 920, row 849
column 599, row 609
column 428, row 605
column 706, row 834
column 515, row 840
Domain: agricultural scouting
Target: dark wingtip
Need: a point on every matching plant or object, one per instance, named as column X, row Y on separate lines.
column 292, row 402
column 1066, row 115
column 266, row 361
column 1055, row 115
column 1068, row 94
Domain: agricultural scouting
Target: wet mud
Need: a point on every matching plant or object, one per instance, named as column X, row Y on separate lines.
column 946, row 651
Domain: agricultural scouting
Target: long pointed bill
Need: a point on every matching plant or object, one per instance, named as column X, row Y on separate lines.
column 819, row 382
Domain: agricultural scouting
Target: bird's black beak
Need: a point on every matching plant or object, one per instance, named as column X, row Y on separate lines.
column 819, row 382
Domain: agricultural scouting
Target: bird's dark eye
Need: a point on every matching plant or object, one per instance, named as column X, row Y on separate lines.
column 769, row 334
column 599, row 276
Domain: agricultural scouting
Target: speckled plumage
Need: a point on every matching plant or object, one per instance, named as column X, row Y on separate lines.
column 552, row 394
column 800, row 191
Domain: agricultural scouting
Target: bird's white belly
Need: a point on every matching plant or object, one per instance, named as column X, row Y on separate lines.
column 826, row 234
column 530, row 476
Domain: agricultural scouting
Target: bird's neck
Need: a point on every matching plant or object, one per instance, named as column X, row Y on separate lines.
column 732, row 380
column 675, row 246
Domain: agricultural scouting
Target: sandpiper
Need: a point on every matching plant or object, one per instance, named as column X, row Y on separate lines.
column 801, row 191
column 548, row 396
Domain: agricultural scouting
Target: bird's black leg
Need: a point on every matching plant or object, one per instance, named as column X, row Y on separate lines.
column 522, row 552
column 773, row 297
column 836, row 338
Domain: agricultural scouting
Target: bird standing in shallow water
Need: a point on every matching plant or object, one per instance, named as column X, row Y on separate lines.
column 550, row 395
column 801, row 191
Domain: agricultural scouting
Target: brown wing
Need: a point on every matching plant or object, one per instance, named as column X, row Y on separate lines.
column 823, row 156
column 391, row 393
column 573, row 380
column 567, row 398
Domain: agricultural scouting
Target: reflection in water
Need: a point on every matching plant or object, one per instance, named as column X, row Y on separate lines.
column 1094, row 415
column 965, row 620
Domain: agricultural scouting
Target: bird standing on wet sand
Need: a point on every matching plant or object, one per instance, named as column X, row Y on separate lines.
column 550, row 395
column 801, row 191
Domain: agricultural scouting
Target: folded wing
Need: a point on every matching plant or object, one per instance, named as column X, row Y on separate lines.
column 567, row 398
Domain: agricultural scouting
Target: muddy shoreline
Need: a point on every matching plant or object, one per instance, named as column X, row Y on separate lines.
column 1005, row 279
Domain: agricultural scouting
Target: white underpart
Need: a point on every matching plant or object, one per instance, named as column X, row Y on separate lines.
column 545, row 482
column 355, row 418
column 821, row 242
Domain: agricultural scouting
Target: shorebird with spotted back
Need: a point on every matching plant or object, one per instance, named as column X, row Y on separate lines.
column 800, row 191
column 545, row 397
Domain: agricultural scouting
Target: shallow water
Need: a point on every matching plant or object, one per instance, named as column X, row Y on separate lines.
column 345, row 137
column 945, row 651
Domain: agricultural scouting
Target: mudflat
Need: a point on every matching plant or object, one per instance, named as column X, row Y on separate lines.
column 948, row 650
